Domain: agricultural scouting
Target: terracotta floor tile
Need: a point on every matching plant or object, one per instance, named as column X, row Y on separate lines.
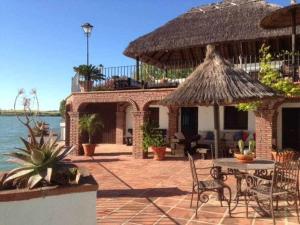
column 145, row 191
column 172, row 221
column 144, row 219
column 209, row 217
column 172, row 202
column 181, row 213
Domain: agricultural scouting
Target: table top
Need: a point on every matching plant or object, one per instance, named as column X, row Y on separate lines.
column 233, row 163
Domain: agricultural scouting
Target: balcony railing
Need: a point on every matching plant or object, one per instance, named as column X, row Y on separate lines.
column 146, row 76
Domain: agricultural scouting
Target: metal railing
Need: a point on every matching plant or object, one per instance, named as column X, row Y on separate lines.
column 150, row 77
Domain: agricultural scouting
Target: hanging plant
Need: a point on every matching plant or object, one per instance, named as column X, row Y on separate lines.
column 271, row 78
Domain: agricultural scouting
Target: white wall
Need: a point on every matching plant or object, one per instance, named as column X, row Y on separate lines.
column 129, row 118
column 163, row 117
column 74, row 208
column 279, row 121
column 206, row 119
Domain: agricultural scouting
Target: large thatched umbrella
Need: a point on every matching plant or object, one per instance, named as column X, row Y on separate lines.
column 285, row 17
column 217, row 82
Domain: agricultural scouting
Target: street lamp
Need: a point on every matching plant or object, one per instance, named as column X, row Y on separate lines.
column 87, row 29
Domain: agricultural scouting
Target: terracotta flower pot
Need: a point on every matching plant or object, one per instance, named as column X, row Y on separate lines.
column 86, row 86
column 159, row 153
column 89, row 149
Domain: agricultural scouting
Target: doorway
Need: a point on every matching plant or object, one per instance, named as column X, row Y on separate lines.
column 291, row 128
column 189, row 121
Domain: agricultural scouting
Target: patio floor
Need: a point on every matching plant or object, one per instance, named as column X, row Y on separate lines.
column 158, row 192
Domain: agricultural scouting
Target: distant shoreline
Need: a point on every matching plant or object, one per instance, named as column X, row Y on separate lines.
column 20, row 113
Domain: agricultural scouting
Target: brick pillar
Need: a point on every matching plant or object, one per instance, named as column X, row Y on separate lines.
column 264, row 129
column 67, row 130
column 173, row 121
column 274, row 128
column 74, row 131
column 120, row 126
column 139, row 118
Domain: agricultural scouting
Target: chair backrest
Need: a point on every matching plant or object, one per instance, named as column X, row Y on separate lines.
column 284, row 156
column 286, row 176
column 193, row 170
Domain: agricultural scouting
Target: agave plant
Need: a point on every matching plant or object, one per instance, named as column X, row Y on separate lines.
column 40, row 128
column 42, row 165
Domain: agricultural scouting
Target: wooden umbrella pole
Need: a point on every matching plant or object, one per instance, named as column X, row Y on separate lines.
column 217, row 129
column 294, row 44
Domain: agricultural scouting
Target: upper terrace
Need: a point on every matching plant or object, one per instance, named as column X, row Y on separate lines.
column 145, row 76
column 165, row 56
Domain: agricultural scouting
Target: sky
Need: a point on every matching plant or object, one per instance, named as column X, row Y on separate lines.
column 41, row 40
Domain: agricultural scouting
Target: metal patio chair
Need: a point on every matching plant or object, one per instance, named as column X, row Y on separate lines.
column 201, row 187
column 283, row 185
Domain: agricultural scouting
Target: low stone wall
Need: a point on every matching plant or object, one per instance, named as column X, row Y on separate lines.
column 75, row 204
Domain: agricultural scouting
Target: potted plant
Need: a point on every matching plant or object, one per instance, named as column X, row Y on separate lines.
column 148, row 130
column 90, row 124
column 245, row 155
column 90, row 73
column 158, row 146
column 44, row 178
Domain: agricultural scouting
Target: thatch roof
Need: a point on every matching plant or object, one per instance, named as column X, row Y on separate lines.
column 217, row 81
column 281, row 17
column 229, row 22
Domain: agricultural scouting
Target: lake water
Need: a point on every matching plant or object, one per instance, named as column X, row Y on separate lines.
column 10, row 131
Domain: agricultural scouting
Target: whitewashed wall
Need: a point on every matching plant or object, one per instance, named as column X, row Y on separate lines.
column 163, row 117
column 279, row 121
column 205, row 118
column 129, row 118
column 74, row 208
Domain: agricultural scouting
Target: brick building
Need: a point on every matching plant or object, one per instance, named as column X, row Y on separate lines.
column 130, row 95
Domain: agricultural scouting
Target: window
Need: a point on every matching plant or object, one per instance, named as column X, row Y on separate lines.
column 154, row 116
column 235, row 119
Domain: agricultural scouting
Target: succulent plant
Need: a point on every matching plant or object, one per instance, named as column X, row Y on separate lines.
column 241, row 145
column 40, row 128
column 41, row 162
column 42, row 165
column 252, row 145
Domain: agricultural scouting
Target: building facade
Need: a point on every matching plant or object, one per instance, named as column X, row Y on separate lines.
column 129, row 96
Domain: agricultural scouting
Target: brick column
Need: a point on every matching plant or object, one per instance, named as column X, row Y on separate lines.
column 264, row 130
column 173, row 121
column 120, row 126
column 67, row 129
column 139, row 118
column 74, row 131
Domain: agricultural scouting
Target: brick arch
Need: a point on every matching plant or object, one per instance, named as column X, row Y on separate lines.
column 146, row 104
column 100, row 101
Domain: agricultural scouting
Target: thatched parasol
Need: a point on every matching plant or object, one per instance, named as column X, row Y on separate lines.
column 286, row 17
column 217, row 82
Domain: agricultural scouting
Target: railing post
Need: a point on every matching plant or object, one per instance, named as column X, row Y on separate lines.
column 138, row 68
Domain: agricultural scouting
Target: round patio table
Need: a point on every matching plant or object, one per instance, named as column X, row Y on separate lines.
column 239, row 170
column 233, row 163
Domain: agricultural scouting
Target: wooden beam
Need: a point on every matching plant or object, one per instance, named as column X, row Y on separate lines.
column 192, row 55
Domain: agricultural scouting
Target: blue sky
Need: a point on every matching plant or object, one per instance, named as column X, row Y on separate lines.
column 41, row 40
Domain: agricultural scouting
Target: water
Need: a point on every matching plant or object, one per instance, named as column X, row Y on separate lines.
column 10, row 131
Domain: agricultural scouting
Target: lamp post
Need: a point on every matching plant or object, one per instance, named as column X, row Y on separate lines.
column 87, row 29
